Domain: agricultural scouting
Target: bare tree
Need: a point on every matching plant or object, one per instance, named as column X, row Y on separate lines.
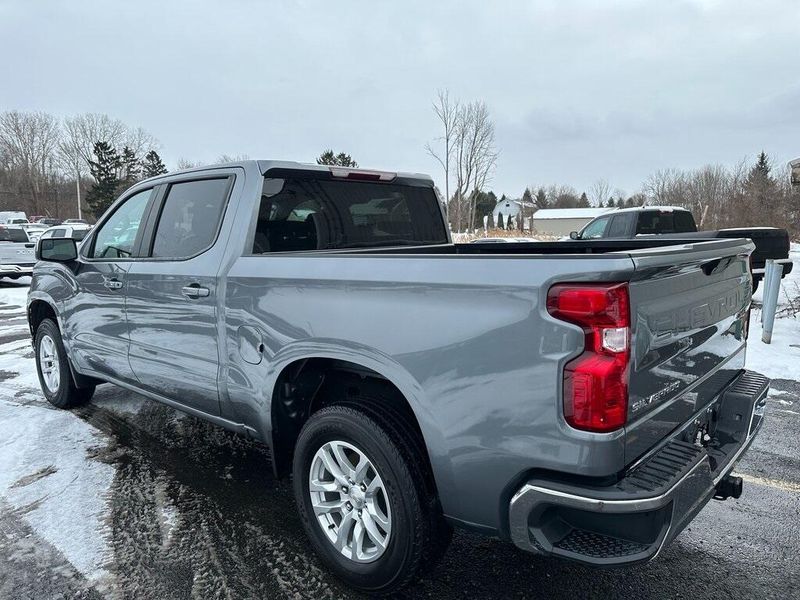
column 600, row 192
column 474, row 158
column 185, row 163
column 140, row 141
column 228, row 158
column 447, row 111
column 81, row 132
column 28, row 142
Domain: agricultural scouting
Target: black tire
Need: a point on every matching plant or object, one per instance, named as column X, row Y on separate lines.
column 418, row 531
column 66, row 394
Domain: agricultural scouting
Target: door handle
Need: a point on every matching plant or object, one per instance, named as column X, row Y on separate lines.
column 112, row 284
column 195, row 290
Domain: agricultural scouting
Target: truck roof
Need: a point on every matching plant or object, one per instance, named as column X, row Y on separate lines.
column 652, row 207
column 264, row 165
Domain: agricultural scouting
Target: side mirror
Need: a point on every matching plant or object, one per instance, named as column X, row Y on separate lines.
column 573, row 235
column 61, row 250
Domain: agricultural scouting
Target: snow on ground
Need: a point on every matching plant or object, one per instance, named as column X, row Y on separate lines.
column 781, row 358
column 45, row 470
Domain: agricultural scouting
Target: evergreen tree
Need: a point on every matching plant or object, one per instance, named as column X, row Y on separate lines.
column 152, row 165
column 130, row 167
column 761, row 193
column 484, row 205
column 527, row 197
column 611, row 202
column 541, row 198
column 104, row 168
column 527, row 207
column 500, row 224
column 583, row 201
column 339, row 160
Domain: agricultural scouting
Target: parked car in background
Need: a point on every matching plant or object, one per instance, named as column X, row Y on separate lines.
column 677, row 222
column 34, row 230
column 75, row 231
column 16, row 252
column 75, row 221
column 12, row 217
column 49, row 221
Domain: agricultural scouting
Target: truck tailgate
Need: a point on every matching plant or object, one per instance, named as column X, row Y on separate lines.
column 13, row 253
column 689, row 310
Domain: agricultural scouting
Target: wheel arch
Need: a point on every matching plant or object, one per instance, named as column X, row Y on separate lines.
column 300, row 385
column 41, row 307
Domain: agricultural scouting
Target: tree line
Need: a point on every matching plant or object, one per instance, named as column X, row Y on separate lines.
column 73, row 166
column 750, row 193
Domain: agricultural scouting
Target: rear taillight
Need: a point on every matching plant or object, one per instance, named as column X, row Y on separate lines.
column 596, row 382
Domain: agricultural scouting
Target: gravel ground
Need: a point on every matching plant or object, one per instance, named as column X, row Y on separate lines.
column 125, row 498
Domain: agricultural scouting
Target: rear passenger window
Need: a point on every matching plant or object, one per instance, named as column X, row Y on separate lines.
column 58, row 233
column 618, row 227
column 190, row 218
column 684, row 222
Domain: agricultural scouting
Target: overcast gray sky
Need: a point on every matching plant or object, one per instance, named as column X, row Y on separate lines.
column 578, row 90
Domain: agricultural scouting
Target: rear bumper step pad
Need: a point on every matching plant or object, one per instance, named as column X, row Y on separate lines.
column 632, row 520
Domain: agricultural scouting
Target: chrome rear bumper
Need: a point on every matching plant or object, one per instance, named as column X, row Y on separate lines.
column 634, row 519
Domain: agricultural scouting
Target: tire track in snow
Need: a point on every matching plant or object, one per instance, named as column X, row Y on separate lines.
column 232, row 531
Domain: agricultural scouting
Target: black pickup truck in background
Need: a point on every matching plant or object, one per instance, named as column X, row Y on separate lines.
column 771, row 242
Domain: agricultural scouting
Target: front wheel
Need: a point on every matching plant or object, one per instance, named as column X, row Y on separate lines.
column 362, row 500
column 53, row 369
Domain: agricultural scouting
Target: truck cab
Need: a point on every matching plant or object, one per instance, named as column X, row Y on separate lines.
column 644, row 220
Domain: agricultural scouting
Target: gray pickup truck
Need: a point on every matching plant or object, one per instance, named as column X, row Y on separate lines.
column 581, row 399
column 771, row 243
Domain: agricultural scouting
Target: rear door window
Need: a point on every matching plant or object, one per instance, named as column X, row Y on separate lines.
column 190, row 217
column 665, row 221
column 684, row 222
column 619, row 226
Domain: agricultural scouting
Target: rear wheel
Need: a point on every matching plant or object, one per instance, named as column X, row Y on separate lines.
column 52, row 367
column 362, row 500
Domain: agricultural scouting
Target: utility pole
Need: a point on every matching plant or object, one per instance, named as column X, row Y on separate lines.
column 78, row 188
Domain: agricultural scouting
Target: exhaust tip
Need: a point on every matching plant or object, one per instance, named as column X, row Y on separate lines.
column 729, row 487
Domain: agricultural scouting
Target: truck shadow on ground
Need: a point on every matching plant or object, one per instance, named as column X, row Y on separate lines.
column 195, row 512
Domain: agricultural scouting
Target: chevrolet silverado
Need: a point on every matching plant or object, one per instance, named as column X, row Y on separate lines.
column 581, row 399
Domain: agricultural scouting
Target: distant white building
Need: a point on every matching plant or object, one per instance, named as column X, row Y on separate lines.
column 560, row 221
column 509, row 208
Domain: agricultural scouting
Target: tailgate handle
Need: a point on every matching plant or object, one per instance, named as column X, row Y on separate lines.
column 715, row 266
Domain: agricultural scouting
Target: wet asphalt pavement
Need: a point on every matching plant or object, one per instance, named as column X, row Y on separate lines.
column 194, row 512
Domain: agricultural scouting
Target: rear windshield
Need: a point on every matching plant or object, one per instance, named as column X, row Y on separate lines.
column 307, row 213
column 8, row 234
column 655, row 222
